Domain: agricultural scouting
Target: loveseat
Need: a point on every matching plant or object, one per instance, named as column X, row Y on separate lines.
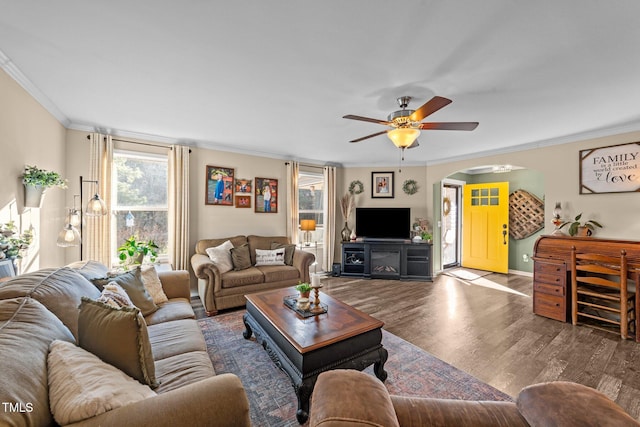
column 44, row 311
column 222, row 285
column 348, row 398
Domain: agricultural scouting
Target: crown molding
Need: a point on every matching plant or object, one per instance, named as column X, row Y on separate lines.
column 14, row 72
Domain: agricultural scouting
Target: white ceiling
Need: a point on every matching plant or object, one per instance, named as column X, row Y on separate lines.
column 275, row 77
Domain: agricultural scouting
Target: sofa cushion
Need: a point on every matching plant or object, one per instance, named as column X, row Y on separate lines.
column 263, row 242
column 82, row 386
column 248, row 276
column 279, row 273
column 118, row 337
column 115, row 296
column 131, row 281
column 563, row 403
column 174, row 309
column 241, row 257
column 152, row 284
column 289, row 250
column 90, row 269
column 202, row 245
column 221, row 256
column 269, row 257
column 26, row 330
column 58, row 289
column 176, row 337
column 182, row 369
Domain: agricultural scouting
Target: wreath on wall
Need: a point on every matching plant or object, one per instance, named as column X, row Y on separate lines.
column 356, row 187
column 410, row 187
column 446, row 206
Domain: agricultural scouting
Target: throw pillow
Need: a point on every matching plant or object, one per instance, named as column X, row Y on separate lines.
column 241, row 257
column 270, row 257
column 221, row 256
column 153, row 285
column 82, row 386
column 131, row 281
column 289, row 249
column 118, row 337
column 115, row 296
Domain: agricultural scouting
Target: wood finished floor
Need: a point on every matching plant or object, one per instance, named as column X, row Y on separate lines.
column 493, row 334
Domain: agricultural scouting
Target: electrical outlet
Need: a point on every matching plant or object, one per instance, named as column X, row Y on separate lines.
column 525, row 257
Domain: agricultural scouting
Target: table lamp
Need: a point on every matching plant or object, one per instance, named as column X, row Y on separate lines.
column 307, row 225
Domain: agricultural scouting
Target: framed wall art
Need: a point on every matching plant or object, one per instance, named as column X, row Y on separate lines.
column 243, row 185
column 266, row 193
column 612, row 169
column 382, row 185
column 219, row 186
column 243, row 201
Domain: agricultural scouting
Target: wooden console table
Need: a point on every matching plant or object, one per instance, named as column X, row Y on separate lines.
column 552, row 270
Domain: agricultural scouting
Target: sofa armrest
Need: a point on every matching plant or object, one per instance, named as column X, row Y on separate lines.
column 302, row 260
column 175, row 283
column 209, row 280
column 218, row 400
column 420, row 411
column 345, row 397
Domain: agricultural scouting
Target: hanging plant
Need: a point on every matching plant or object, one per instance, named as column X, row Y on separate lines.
column 356, row 187
column 410, row 187
column 35, row 176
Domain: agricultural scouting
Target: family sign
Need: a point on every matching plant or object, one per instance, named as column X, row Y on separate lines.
column 613, row 169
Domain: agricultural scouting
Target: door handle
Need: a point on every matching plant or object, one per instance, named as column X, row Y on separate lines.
column 504, row 234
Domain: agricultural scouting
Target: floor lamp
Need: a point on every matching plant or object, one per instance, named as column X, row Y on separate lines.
column 70, row 236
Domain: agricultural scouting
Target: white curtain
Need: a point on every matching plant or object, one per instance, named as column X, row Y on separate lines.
column 329, row 237
column 293, row 218
column 179, row 207
column 97, row 238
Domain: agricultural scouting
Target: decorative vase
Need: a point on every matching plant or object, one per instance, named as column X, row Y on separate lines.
column 33, row 195
column 583, row 232
column 346, row 232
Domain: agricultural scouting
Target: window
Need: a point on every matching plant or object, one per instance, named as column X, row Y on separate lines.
column 140, row 199
column 311, row 200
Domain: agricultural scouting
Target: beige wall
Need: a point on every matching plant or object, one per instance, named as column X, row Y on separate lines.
column 29, row 135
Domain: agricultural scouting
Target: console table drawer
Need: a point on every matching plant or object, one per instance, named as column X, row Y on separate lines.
column 550, row 268
column 554, row 279
column 548, row 289
column 550, row 306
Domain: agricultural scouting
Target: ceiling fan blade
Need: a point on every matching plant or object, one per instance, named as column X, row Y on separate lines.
column 414, row 145
column 369, row 136
column 449, row 126
column 430, row 107
column 366, row 119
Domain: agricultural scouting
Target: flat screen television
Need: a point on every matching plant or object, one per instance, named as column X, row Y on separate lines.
column 383, row 223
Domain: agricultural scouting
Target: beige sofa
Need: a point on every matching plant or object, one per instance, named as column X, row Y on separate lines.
column 40, row 307
column 351, row 398
column 226, row 290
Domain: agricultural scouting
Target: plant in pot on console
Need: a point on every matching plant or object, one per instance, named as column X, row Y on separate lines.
column 36, row 181
column 133, row 251
column 304, row 289
column 581, row 228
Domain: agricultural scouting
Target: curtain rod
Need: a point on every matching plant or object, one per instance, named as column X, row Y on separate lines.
column 307, row 165
column 150, row 144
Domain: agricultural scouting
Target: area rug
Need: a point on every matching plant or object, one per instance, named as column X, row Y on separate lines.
column 411, row 371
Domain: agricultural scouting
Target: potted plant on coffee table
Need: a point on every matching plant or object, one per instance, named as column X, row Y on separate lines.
column 133, row 251
column 304, row 289
column 36, row 181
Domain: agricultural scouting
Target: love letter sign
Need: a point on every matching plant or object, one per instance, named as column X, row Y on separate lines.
column 613, row 169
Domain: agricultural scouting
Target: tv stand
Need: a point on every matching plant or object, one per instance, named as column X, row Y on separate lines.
column 396, row 259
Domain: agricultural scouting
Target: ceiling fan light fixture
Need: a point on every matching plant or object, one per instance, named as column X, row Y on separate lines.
column 403, row 137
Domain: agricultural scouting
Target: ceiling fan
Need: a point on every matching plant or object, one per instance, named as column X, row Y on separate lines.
column 406, row 124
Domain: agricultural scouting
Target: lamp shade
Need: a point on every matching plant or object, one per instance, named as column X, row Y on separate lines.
column 96, row 206
column 74, row 218
column 307, row 225
column 403, row 137
column 68, row 236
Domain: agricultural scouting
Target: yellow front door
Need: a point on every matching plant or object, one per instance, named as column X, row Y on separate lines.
column 485, row 222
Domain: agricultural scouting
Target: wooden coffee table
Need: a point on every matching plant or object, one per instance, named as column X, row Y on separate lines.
column 342, row 338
